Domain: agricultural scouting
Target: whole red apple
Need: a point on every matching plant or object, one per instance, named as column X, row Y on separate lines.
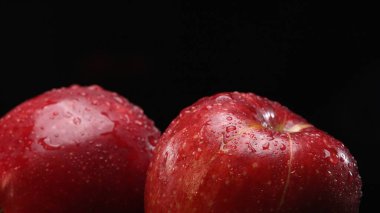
column 238, row 152
column 77, row 149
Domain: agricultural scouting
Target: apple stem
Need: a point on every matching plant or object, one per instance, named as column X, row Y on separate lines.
column 298, row 127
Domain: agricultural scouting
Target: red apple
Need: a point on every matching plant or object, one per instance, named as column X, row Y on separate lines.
column 77, row 149
column 238, row 152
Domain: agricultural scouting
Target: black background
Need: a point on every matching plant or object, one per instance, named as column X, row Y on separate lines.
column 320, row 60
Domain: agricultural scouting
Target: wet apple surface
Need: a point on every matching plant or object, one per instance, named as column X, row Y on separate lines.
column 238, row 152
column 77, row 149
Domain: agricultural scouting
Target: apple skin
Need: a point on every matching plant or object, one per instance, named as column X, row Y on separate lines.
column 238, row 152
column 77, row 149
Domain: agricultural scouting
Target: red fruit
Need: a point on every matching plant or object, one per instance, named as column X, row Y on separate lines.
column 77, row 149
column 236, row 152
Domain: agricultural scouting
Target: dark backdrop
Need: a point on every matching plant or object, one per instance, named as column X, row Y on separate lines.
column 320, row 60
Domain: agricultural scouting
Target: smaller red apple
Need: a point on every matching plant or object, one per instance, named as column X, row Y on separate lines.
column 238, row 152
column 77, row 149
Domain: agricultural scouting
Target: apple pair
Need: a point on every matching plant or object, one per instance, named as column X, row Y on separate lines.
column 84, row 149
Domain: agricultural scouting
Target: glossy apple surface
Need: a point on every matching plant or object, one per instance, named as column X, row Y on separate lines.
column 77, row 149
column 238, row 152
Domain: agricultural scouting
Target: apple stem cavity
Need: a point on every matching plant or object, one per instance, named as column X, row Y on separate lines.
column 297, row 128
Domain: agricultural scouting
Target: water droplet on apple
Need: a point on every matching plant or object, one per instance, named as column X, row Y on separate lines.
column 230, row 128
column 127, row 118
column 77, row 120
column 342, row 157
column 250, row 147
column 265, row 146
column 67, row 114
column 333, row 160
column 333, row 157
column 270, row 136
column 152, row 140
column 229, row 118
column 54, row 115
column 223, row 98
column 46, row 144
column 282, row 147
column 118, row 99
column 327, row 153
column 94, row 87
